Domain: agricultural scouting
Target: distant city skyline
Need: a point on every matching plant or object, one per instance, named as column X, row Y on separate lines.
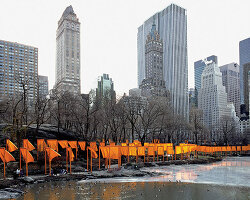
column 112, row 49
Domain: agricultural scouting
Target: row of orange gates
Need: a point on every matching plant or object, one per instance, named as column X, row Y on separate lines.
column 109, row 152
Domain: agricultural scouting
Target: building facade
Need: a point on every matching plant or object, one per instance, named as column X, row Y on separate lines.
column 105, row 88
column 231, row 81
column 212, row 97
column 246, row 82
column 171, row 24
column 244, row 52
column 43, row 86
column 18, row 69
column 198, row 69
column 68, row 53
column 153, row 84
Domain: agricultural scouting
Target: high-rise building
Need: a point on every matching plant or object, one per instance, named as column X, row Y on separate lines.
column 192, row 100
column 171, row 24
column 244, row 51
column 212, row 97
column 135, row 92
column 153, row 84
column 18, row 69
column 105, row 88
column 68, row 53
column 198, row 69
column 231, row 81
column 246, row 82
column 43, row 86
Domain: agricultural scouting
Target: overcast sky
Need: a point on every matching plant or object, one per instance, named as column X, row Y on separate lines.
column 109, row 33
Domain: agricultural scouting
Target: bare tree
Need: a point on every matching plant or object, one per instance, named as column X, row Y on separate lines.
column 196, row 124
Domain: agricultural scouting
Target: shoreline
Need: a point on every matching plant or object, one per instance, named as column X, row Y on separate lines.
column 128, row 170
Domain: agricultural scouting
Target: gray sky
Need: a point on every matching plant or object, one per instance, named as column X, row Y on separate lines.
column 109, row 33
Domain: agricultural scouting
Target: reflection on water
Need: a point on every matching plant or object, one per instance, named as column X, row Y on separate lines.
column 136, row 191
column 231, row 171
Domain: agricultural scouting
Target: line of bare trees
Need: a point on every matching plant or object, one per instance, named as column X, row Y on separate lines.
column 92, row 118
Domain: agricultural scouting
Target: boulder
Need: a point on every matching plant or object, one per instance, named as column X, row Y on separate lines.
column 27, row 179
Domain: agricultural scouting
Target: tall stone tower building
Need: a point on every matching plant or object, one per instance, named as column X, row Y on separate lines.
column 68, row 53
column 153, row 84
column 171, row 24
column 212, row 97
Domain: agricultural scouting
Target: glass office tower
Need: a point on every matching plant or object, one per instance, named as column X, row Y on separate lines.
column 171, row 23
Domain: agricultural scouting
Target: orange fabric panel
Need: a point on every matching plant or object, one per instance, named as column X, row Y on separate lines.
column 223, row 148
column 105, row 152
column 115, row 152
column 63, row 143
column 244, row 148
column 146, row 144
column 207, row 149
column 41, row 145
column 185, row 149
column 6, row 156
column 82, row 145
column 51, row 153
column 151, row 151
column 170, row 150
column 124, row 150
column 73, row 144
column 233, row 148
column 112, row 144
column 93, row 153
column 102, row 144
column 132, row 151
column 28, row 145
column 137, row 143
column 53, row 144
column 238, row 148
column 178, row 149
column 160, row 150
column 26, row 155
column 153, row 145
column 217, row 149
column 229, row 148
column 70, row 153
column 248, row 147
column 166, row 145
column 202, row 148
column 141, row 151
column 11, row 147
column 193, row 147
column 93, row 146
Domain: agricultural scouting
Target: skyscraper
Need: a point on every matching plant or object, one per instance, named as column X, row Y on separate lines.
column 171, row 24
column 105, row 87
column 246, row 71
column 244, row 50
column 212, row 97
column 198, row 69
column 43, row 86
column 231, row 81
column 18, row 69
column 68, row 53
column 153, row 84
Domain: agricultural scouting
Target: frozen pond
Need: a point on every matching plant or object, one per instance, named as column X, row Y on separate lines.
column 234, row 171
column 228, row 179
